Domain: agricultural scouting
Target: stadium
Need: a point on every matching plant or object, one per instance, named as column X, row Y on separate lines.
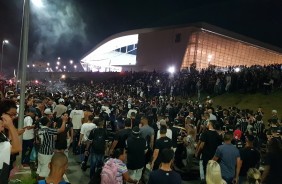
column 199, row 45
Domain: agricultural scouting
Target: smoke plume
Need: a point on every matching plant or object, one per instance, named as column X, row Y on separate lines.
column 56, row 24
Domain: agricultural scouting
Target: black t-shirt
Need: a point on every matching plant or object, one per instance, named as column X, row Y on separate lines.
column 98, row 137
column 274, row 161
column 250, row 157
column 61, row 137
column 161, row 143
column 164, row 177
column 238, row 143
column 212, row 140
column 121, row 137
column 135, row 147
column 175, row 133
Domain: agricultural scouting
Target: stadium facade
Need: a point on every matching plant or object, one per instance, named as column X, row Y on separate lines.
column 200, row 45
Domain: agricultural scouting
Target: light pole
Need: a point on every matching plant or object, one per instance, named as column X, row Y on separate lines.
column 4, row 42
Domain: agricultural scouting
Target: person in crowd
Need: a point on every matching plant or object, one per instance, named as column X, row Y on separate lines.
column 273, row 161
column 229, row 160
column 76, row 116
column 61, row 143
column 161, row 143
column 213, row 173
column 47, row 144
column 86, row 128
column 121, row 137
column 28, row 135
column 87, row 113
column 6, row 147
column 253, row 176
column 60, row 108
column 165, row 173
column 97, row 139
column 209, row 141
column 122, row 176
column 249, row 158
column 136, row 147
column 147, row 132
column 58, row 167
column 168, row 130
column 9, row 107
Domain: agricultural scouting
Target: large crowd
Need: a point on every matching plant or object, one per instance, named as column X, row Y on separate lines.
column 145, row 122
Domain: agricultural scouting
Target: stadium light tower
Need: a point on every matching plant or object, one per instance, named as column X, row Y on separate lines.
column 4, row 42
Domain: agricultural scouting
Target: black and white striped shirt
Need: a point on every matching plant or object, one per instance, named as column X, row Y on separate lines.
column 47, row 142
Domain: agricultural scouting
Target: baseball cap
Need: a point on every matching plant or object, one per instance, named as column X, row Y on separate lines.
column 61, row 100
column 136, row 130
column 237, row 134
column 48, row 111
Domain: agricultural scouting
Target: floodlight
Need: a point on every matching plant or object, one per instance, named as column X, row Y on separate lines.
column 171, row 69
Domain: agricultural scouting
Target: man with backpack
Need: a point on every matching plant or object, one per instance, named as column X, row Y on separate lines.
column 136, row 147
column 97, row 139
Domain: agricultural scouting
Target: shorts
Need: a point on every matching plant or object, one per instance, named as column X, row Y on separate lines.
column 43, row 162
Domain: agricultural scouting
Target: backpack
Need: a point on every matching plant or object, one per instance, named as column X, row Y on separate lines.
column 109, row 172
column 99, row 140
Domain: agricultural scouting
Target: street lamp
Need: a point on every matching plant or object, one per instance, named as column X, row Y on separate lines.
column 71, row 62
column 75, row 66
column 58, row 63
column 4, row 42
column 48, row 64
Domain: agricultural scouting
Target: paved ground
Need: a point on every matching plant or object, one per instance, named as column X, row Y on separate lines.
column 76, row 176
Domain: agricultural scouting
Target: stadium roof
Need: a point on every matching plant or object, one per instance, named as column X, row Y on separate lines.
column 120, row 49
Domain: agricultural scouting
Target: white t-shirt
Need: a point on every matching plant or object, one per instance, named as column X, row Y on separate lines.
column 168, row 134
column 76, row 118
column 5, row 152
column 28, row 134
column 86, row 129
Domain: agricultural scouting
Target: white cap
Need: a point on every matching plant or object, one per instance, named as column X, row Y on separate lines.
column 274, row 111
column 61, row 100
column 48, row 111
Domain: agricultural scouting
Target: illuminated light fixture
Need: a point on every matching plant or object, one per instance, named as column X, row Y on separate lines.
column 171, row 69
column 48, row 64
column 58, row 63
column 38, row 3
column 71, row 62
column 63, row 76
column 237, row 69
column 209, row 57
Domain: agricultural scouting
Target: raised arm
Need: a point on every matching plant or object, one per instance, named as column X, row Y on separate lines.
column 15, row 141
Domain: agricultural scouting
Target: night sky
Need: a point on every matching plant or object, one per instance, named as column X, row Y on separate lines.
column 71, row 28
